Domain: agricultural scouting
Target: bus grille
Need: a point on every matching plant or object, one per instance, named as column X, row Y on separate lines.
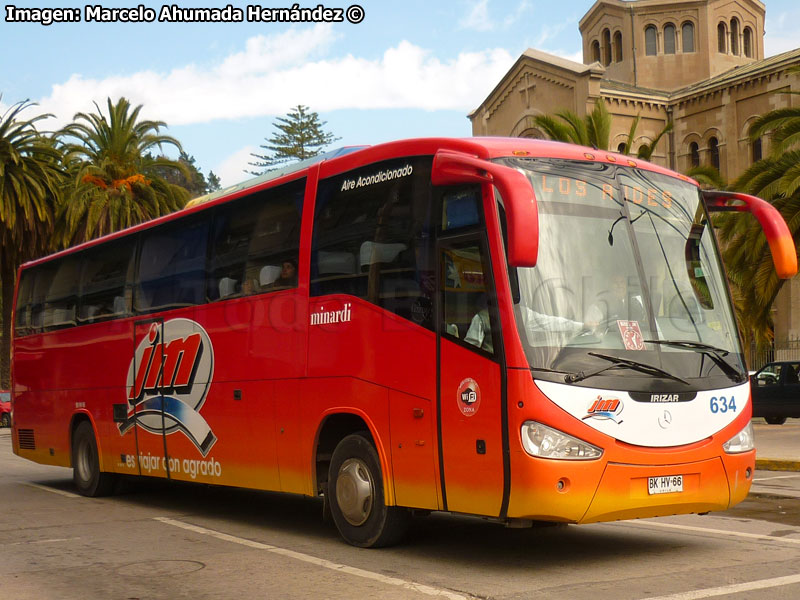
column 26, row 439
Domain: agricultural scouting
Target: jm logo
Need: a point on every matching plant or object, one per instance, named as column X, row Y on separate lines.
column 168, row 380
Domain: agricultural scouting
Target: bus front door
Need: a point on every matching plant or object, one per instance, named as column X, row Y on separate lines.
column 470, row 388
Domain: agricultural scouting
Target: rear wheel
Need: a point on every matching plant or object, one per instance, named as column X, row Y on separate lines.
column 775, row 420
column 86, row 473
column 358, row 507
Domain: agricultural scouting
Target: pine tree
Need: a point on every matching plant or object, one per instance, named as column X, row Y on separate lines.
column 213, row 183
column 300, row 136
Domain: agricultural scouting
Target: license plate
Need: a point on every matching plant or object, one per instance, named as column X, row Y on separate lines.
column 665, row 485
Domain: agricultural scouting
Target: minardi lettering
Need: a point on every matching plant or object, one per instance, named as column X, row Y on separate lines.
column 167, row 367
column 325, row 317
column 379, row 177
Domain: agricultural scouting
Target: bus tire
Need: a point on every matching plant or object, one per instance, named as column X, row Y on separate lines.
column 86, row 473
column 775, row 420
column 358, row 507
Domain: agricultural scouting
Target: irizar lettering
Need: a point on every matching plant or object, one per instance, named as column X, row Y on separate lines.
column 665, row 398
column 324, row 317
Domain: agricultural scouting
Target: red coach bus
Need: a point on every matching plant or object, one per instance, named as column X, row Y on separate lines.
column 516, row 329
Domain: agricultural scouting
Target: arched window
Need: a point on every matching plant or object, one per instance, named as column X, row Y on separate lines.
column 606, row 47
column 621, row 148
column 618, row 47
column 650, row 41
column 748, row 42
column 722, row 38
column 642, row 150
column 694, row 154
column 735, row 36
column 713, row 152
column 596, row 51
column 688, row 36
column 669, row 38
column 757, row 150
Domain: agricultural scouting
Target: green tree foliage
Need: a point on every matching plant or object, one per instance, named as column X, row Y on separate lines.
column 30, row 183
column 300, row 135
column 776, row 179
column 593, row 130
column 212, row 183
column 190, row 178
column 117, row 182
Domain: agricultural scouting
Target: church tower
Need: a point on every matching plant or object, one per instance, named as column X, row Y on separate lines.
column 670, row 44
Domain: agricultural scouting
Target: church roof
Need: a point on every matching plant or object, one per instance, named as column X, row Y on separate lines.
column 734, row 76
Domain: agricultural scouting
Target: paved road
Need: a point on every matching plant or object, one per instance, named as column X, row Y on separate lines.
column 188, row 541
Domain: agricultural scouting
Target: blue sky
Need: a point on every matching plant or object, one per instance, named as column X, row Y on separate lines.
column 411, row 68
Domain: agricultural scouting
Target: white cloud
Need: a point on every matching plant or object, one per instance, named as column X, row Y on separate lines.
column 477, row 17
column 781, row 33
column 235, row 168
column 274, row 73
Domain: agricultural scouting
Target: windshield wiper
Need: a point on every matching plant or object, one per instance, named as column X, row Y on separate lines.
column 714, row 353
column 620, row 362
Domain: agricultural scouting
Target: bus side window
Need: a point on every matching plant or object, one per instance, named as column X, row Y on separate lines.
column 22, row 322
column 374, row 232
column 104, row 290
column 172, row 266
column 61, row 298
column 465, row 299
column 256, row 243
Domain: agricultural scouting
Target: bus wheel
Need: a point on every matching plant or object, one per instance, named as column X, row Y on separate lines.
column 775, row 420
column 86, row 473
column 355, row 485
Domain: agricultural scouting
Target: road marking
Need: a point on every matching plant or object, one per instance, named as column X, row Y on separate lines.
column 50, row 541
column 735, row 588
column 320, row 562
column 777, row 477
column 741, row 534
column 53, row 490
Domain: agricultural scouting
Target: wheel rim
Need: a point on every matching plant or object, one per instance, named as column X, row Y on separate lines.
column 355, row 491
column 83, row 460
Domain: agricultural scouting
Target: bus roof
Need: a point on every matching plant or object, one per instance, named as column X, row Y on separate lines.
column 350, row 157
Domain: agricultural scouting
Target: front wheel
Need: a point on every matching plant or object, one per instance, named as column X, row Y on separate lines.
column 86, row 473
column 358, row 507
column 775, row 420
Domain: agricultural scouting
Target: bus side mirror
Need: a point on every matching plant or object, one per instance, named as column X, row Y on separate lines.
column 453, row 168
column 779, row 238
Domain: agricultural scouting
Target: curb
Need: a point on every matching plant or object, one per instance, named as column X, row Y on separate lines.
column 772, row 464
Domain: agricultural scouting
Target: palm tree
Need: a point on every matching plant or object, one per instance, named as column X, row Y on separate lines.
column 593, row 130
column 30, row 179
column 117, row 180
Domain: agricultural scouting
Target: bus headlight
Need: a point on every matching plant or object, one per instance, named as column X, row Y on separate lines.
column 744, row 441
column 546, row 442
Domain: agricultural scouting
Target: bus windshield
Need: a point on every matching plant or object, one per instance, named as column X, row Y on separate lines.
column 628, row 277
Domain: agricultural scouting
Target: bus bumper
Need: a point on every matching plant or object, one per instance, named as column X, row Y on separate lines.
column 623, row 490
